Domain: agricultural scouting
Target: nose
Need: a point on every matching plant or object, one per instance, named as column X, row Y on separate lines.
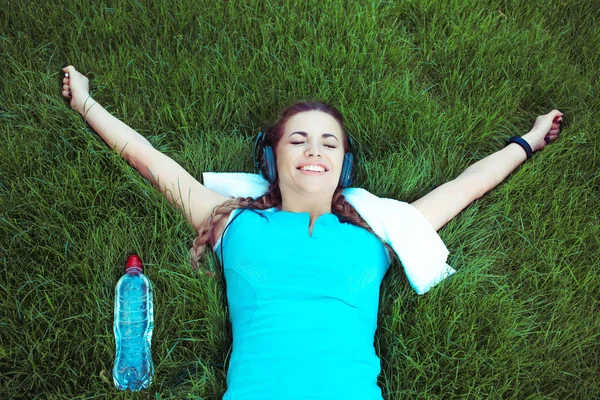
column 312, row 150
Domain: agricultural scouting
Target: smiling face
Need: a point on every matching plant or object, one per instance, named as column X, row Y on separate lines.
column 310, row 154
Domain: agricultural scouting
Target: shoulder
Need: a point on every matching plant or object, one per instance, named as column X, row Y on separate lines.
column 228, row 217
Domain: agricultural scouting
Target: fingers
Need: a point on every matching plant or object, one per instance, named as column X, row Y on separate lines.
column 556, row 117
column 79, row 83
column 557, row 121
column 553, row 132
column 66, row 90
column 555, row 127
column 68, row 70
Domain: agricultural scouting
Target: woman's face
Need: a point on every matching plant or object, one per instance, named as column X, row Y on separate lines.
column 310, row 153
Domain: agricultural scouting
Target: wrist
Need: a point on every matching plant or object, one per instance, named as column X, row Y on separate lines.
column 524, row 144
column 77, row 103
column 530, row 137
column 85, row 106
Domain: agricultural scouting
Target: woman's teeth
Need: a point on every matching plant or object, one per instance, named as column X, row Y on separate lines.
column 315, row 168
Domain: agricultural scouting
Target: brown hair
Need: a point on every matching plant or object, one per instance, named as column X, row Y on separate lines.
column 339, row 206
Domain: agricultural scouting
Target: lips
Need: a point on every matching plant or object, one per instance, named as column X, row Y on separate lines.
column 313, row 167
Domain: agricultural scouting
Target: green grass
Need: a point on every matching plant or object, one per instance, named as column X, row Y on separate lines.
column 427, row 88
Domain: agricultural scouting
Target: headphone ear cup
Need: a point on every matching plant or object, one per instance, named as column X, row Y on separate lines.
column 270, row 165
column 347, row 167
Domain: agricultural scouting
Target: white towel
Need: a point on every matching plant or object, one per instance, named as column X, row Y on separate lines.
column 418, row 246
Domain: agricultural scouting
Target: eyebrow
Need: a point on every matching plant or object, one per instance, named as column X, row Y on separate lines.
column 325, row 135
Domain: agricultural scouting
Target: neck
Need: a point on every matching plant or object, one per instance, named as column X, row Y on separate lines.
column 315, row 206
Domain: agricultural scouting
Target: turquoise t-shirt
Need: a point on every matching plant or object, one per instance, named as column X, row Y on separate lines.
column 303, row 309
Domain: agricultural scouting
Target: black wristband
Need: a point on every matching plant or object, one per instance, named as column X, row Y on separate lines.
column 521, row 142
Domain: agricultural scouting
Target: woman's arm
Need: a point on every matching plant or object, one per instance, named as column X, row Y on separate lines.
column 180, row 188
column 446, row 201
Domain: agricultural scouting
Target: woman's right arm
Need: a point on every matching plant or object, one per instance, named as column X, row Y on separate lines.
column 180, row 188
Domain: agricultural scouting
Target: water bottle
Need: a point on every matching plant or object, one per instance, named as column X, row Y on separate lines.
column 133, row 324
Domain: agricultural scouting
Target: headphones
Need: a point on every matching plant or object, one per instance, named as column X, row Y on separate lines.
column 264, row 161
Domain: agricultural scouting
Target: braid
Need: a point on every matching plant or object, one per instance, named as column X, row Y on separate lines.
column 207, row 228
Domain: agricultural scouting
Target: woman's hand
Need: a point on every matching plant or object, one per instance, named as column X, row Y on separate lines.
column 76, row 87
column 545, row 130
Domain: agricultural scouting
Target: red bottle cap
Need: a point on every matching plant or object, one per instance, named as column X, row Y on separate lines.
column 134, row 262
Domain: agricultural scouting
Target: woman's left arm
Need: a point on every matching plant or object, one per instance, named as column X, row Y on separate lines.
column 445, row 202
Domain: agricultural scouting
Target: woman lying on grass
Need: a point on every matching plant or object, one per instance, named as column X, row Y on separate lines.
column 302, row 282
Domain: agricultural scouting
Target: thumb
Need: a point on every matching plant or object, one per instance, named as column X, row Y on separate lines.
column 555, row 114
column 69, row 69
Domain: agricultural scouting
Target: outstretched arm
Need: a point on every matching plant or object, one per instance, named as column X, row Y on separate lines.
column 446, row 201
column 179, row 187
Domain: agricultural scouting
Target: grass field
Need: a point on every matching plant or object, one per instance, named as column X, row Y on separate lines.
column 427, row 88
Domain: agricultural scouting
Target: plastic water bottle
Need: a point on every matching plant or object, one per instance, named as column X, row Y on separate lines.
column 133, row 324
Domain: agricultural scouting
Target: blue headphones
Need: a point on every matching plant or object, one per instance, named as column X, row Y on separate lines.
column 264, row 161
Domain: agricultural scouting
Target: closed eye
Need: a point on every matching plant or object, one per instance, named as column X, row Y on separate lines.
column 326, row 145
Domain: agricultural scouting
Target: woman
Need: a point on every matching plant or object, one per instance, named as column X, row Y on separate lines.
column 304, row 312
